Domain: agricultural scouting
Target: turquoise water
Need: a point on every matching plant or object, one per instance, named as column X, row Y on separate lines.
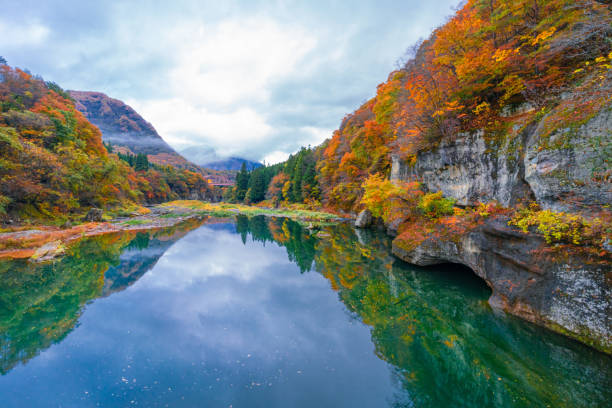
column 263, row 313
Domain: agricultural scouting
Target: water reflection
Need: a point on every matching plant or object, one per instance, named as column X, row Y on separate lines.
column 222, row 317
column 41, row 303
column 435, row 326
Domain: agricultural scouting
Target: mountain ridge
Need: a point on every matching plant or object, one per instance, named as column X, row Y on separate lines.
column 129, row 133
column 119, row 123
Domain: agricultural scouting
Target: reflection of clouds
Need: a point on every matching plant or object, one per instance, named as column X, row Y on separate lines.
column 204, row 254
column 151, row 251
column 210, row 321
column 219, row 286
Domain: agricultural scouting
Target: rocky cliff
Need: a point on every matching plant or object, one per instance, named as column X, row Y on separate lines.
column 568, row 293
column 570, row 173
column 567, row 170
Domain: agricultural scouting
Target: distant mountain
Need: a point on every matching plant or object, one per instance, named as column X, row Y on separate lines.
column 207, row 157
column 128, row 132
column 233, row 163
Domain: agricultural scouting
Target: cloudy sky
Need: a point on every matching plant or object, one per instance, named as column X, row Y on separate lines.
column 252, row 78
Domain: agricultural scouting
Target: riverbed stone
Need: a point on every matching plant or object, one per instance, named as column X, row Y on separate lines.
column 48, row 251
column 364, row 219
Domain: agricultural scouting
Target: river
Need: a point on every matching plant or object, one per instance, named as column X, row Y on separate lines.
column 262, row 312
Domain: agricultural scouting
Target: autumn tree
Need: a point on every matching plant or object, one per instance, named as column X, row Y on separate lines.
column 275, row 188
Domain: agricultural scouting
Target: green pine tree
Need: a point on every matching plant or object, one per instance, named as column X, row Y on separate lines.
column 257, row 186
column 141, row 163
column 242, row 183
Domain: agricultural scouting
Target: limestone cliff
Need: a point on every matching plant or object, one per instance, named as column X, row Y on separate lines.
column 571, row 177
column 566, row 170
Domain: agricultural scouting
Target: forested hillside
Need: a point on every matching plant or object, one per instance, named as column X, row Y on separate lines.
column 293, row 181
column 496, row 67
column 53, row 163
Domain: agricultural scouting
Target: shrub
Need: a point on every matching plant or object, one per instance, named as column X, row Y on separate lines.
column 558, row 227
column 4, row 202
column 434, row 205
column 390, row 200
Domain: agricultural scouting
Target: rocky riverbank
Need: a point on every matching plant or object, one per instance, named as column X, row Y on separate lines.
column 566, row 291
column 43, row 243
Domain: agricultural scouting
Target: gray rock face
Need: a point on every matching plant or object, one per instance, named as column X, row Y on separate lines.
column 467, row 170
column 567, row 295
column 567, row 178
column 566, row 170
column 364, row 219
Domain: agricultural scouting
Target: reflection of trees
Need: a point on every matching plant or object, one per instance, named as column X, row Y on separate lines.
column 298, row 242
column 449, row 349
column 436, row 329
column 41, row 303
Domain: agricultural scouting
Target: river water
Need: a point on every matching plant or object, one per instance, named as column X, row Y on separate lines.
column 261, row 312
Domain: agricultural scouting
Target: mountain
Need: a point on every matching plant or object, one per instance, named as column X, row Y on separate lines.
column 233, row 163
column 120, row 124
column 208, row 157
column 129, row 133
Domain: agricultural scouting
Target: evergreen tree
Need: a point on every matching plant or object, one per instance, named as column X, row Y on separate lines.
column 296, row 179
column 257, row 185
column 242, row 183
column 301, row 171
column 309, row 182
column 141, row 163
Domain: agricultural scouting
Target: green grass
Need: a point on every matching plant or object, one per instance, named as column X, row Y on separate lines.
column 135, row 222
column 224, row 210
column 170, row 215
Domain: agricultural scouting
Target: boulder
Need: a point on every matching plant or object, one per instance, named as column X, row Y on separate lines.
column 94, row 215
column 364, row 219
column 48, row 251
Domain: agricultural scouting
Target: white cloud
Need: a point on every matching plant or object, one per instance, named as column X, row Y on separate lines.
column 276, row 156
column 316, row 135
column 236, row 60
column 221, row 78
column 183, row 124
column 20, row 35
